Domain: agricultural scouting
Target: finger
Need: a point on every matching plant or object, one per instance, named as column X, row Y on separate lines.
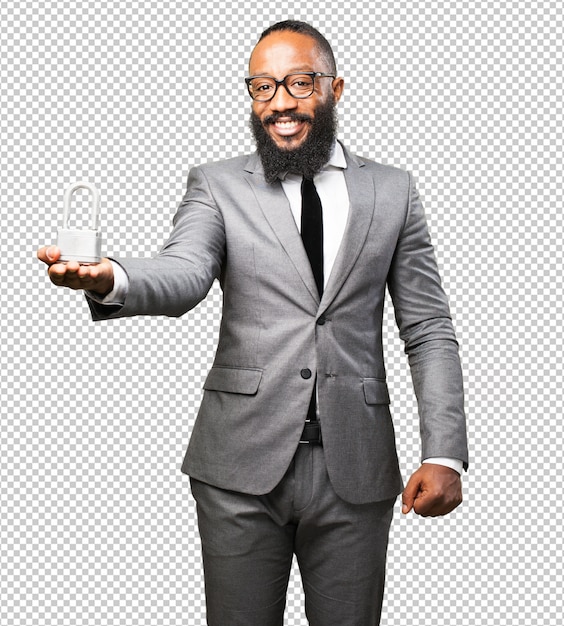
column 86, row 272
column 409, row 494
column 49, row 254
column 425, row 505
column 64, row 270
column 58, row 274
column 435, row 503
column 65, row 275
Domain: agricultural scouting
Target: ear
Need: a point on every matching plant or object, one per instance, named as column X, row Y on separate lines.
column 338, row 87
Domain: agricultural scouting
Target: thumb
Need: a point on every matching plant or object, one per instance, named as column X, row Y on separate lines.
column 49, row 254
column 409, row 494
column 52, row 253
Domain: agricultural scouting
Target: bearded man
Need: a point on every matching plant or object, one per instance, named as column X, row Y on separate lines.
column 293, row 449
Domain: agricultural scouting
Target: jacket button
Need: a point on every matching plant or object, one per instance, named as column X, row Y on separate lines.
column 321, row 320
column 306, row 373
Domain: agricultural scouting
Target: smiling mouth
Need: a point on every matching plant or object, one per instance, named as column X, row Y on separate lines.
column 289, row 128
column 285, row 126
column 290, row 124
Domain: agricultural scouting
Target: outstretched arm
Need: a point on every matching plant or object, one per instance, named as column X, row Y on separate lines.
column 172, row 282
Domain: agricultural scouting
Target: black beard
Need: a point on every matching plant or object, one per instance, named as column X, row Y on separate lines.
column 309, row 158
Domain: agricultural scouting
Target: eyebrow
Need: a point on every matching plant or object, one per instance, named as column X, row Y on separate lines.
column 296, row 70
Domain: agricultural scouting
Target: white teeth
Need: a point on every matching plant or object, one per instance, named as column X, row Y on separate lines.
column 286, row 124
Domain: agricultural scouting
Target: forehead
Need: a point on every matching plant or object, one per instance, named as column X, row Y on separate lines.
column 283, row 52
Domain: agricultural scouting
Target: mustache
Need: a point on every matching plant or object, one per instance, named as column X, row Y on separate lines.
column 290, row 115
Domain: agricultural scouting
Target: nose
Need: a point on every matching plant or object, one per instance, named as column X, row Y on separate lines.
column 282, row 100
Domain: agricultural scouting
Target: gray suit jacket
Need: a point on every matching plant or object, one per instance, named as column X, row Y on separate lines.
column 277, row 338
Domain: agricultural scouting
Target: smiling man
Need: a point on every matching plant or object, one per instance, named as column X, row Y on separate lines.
column 293, row 449
column 294, row 120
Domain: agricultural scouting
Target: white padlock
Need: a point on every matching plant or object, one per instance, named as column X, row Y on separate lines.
column 84, row 245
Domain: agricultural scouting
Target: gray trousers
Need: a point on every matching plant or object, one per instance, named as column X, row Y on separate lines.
column 248, row 544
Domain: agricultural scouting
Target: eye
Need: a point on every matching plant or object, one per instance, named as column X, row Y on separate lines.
column 301, row 82
column 262, row 86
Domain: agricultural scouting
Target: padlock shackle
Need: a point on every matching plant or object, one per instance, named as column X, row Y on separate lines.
column 95, row 203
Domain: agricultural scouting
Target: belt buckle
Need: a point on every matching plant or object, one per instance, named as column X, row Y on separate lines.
column 316, row 426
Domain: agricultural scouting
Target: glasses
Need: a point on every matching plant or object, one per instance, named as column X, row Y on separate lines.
column 300, row 85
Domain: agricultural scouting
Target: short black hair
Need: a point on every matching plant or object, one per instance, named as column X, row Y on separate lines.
column 304, row 28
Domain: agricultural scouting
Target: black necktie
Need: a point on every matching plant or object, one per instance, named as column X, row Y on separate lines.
column 312, row 236
column 312, row 230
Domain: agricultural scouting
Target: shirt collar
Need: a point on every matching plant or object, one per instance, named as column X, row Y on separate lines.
column 337, row 158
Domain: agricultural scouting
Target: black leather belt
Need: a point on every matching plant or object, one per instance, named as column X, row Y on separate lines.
column 312, row 433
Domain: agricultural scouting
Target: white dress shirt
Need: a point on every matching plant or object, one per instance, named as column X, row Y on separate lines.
column 332, row 190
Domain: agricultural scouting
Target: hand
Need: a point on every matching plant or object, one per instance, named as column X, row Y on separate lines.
column 432, row 490
column 98, row 278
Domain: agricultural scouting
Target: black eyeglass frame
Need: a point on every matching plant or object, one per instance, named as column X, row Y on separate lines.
column 312, row 75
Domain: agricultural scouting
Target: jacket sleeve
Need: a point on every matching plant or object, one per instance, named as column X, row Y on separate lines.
column 181, row 274
column 425, row 325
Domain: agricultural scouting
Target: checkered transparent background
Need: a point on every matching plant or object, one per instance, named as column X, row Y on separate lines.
column 97, row 524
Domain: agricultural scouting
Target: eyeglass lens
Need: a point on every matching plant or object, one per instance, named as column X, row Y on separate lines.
column 263, row 88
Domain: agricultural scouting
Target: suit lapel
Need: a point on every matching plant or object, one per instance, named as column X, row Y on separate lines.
column 276, row 208
column 274, row 204
column 361, row 191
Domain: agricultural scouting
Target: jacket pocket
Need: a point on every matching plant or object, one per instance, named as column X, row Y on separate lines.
column 233, row 380
column 376, row 391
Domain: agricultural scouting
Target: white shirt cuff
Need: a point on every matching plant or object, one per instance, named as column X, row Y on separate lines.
column 454, row 464
column 118, row 294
